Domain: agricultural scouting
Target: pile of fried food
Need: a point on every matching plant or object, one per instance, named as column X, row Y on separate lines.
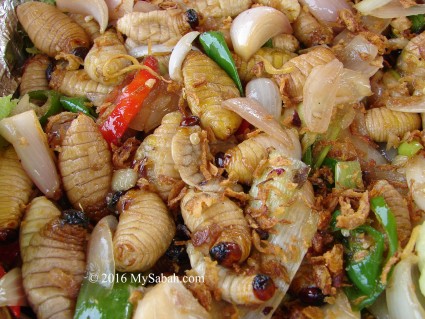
column 215, row 159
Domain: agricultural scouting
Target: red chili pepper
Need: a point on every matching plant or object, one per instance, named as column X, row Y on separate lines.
column 16, row 310
column 129, row 102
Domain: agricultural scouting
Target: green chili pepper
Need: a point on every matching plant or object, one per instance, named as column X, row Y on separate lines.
column 348, row 175
column 97, row 302
column 308, row 156
column 364, row 266
column 418, row 23
column 409, row 148
column 364, row 294
column 268, row 44
column 52, row 103
column 333, row 222
column 77, row 105
column 215, row 47
column 387, row 220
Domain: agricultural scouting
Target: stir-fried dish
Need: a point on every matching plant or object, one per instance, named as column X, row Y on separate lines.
column 215, row 159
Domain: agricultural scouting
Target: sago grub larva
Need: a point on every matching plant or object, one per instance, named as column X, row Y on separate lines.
column 217, row 222
column 206, row 86
column 145, row 230
column 55, row 265
column 76, row 83
column 51, row 30
column 157, row 27
column 15, row 190
column 155, row 151
column 235, row 288
column 85, row 165
column 382, row 123
column 38, row 213
column 98, row 61
column 34, row 77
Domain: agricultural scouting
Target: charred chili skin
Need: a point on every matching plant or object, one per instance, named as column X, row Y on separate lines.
column 215, row 47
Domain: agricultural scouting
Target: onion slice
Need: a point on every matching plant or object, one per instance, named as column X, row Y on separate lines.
column 96, row 8
column 253, row 27
column 319, row 95
column 266, row 92
column 408, row 104
column 100, row 253
column 145, row 50
column 366, row 6
column 144, row 6
column 118, row 8
column 253, row 112
column 11, row 290
column 402, row 300
column 394, row 9
column 326, row 10
column 25, row 133
column 415, row 176
column 178, row 55
column 170, row 299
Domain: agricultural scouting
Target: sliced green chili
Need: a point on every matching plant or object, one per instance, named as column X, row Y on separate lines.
column 387, row 220
column 364, row 265
column 363, row 294
column 52, row 103
column 215, row 47
column 97, row 302
column 409, row 148
column 78, row 105
column 308, row 156
column 348, row 175
column 418, row 23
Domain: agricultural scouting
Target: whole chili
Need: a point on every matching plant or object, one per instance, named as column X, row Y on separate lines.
column 77, row 105
column 129, row 101
column 52, row 103
column 215, row 47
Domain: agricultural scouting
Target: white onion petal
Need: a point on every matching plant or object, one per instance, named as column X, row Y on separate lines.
column 353, row 87
column 253, row 27
column 369, row 5
column 341, row 308
column 254, row 113
column 178, row 55
column 319, row 95
column 30, row 142
column 402, row 300
column 415, row 176
column 326, row 10
column 96, row 8
column 124, row 179
column 360, row 55
column 170, row 299
column 408, row 104
column 118, row 8
column 144, row 50
column 394, row 9
column 11, row 290
column 144, row 6
column 100, row 252
column 266, row 92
